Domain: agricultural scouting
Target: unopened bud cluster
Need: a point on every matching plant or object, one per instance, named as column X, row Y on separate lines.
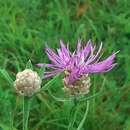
column 27, row 82
column 80, row 87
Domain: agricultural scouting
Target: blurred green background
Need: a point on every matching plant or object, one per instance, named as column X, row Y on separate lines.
column 25, row 26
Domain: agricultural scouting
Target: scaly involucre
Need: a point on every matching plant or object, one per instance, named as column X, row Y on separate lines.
column 84, row 60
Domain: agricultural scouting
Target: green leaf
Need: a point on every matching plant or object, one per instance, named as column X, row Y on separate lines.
column 29, row 65
column 6, row 76
column 5, row 127
column 50, row 83
column 41, row 72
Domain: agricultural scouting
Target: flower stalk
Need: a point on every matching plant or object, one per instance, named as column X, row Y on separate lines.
column 84, row 117
column 26, row 110
column 73, row 113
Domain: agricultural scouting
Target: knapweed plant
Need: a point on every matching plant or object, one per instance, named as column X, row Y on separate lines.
column 77, row 66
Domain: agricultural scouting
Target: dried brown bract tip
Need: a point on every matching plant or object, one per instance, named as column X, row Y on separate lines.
column 27, row 82
column 80, row 87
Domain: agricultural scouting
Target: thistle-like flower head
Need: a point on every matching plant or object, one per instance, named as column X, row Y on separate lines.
column 84, row 60
column 27, row 82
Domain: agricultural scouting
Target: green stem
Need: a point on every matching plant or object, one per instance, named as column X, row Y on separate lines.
column 84, row 118
column 72, row 114
column 11, row 120
column 26, row 109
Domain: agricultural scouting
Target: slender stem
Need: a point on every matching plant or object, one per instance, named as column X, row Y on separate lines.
column 26, row 109
column 84, row 117
column 72, row 113
column 11, row 120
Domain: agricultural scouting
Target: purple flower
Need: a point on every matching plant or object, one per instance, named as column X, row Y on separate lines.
column 84, row 60
column 60, row 61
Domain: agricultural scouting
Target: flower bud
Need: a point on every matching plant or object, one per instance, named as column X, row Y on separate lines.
column 27, row 82
column 80, row 86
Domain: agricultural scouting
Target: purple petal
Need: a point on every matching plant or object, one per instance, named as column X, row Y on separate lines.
column 53, row 57
column 94, row 57
column 78, row 46
column 52, row 73
column 87, row 48
column 102, row 66
column 47, row 65
column 65, row 50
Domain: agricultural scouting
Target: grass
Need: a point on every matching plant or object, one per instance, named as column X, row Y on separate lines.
column 25, row 27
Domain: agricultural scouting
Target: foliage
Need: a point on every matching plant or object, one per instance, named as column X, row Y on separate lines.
column 25, row 27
